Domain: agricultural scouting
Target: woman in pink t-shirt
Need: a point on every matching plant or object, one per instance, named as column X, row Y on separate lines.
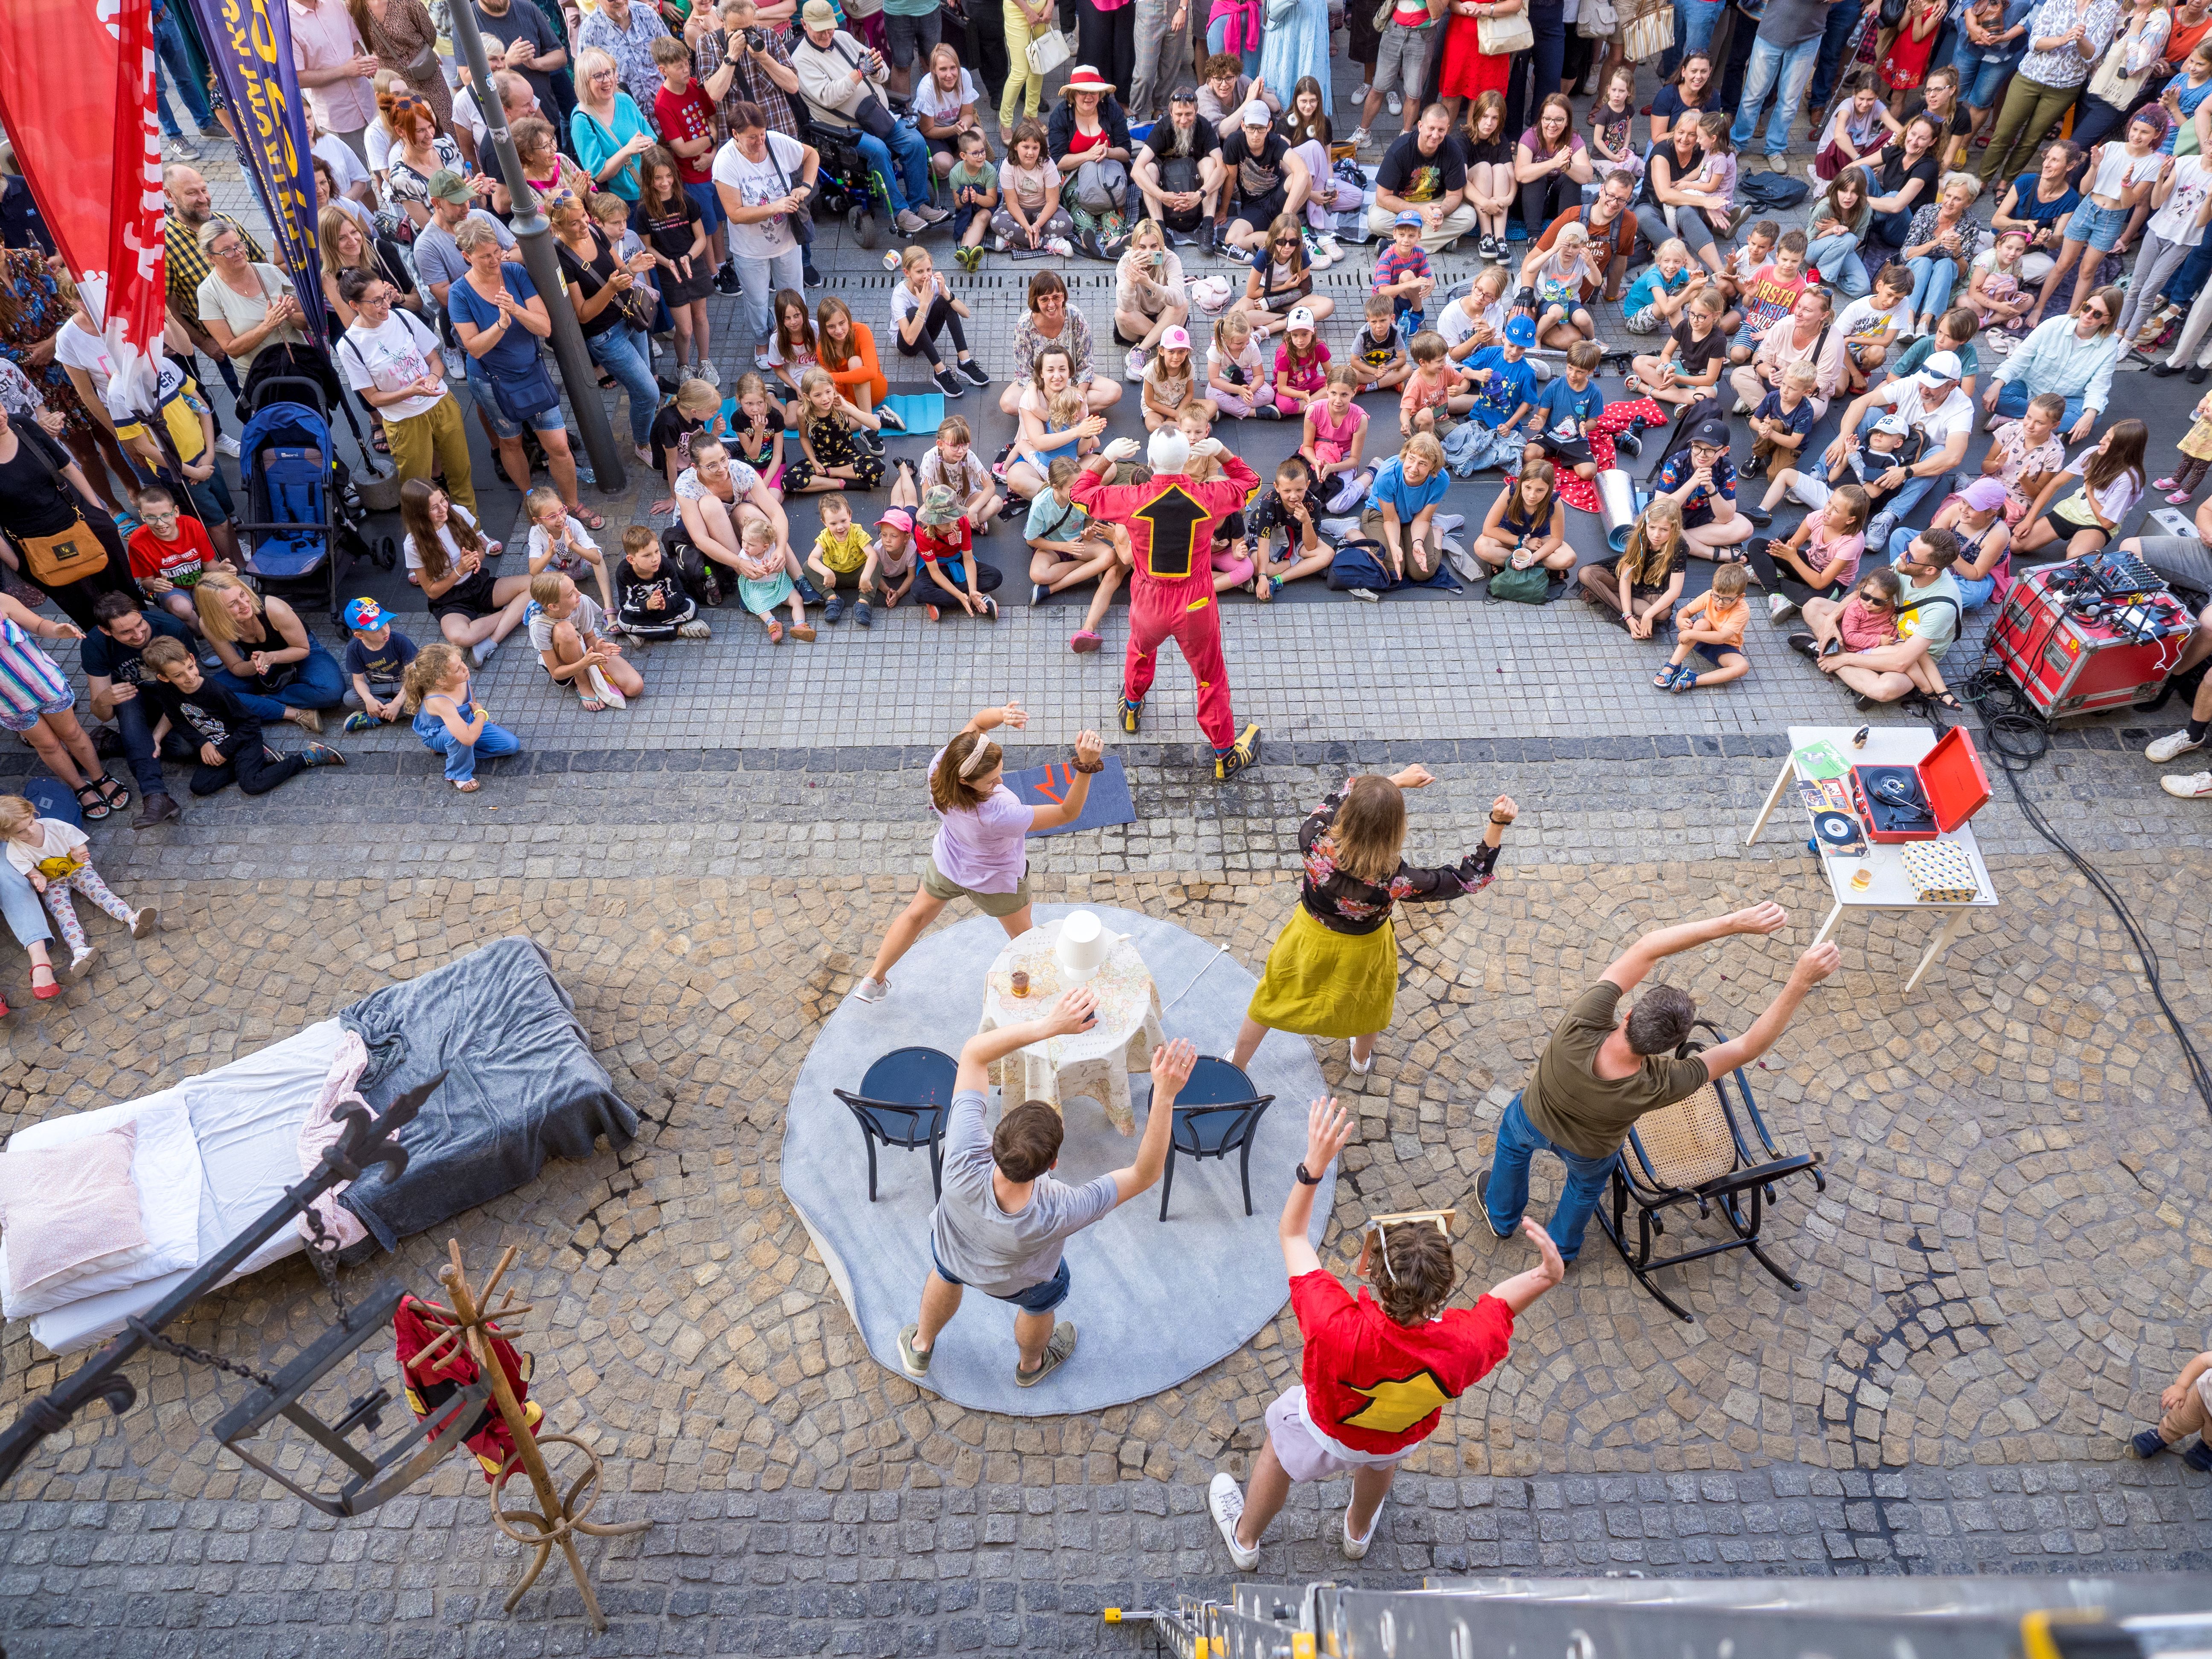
column 981, row 826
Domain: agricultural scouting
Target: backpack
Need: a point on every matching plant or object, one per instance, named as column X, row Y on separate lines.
column 1529, row 587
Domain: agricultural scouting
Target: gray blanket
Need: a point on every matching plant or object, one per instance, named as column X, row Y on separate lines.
column 521, row 1085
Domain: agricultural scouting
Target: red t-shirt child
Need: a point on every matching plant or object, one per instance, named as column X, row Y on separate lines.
column 686, row 118
column 1768, row 298
column 1378, row 1386
column 181, row 561
column 945, row 541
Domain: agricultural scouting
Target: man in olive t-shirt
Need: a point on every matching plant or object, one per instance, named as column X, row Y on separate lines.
column 1606, row 1065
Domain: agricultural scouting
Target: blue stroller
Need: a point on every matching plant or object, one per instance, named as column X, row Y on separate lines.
column 295, row 523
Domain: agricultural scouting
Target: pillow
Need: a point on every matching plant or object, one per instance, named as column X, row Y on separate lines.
column 70, row 1207
column 166, row 1168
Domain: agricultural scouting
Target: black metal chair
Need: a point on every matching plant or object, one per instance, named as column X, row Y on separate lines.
column 903, row 1102
column 1216, row 1114
column 1694, row 1152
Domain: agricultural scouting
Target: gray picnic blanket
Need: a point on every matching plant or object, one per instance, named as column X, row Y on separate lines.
column 521, row 1085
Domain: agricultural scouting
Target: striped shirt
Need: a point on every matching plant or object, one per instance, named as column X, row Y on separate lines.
column 29, row 681
column 188, row 267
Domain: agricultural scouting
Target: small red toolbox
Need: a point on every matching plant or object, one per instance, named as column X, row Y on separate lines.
column 1921, row 802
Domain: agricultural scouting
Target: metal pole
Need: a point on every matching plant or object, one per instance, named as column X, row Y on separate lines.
column 578, row 372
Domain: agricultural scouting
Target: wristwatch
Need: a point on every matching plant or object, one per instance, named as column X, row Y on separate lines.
column 1305, row 1180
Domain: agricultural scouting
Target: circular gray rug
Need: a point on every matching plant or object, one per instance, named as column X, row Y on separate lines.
column 1153, row 1303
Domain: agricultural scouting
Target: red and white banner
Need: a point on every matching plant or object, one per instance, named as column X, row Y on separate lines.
column 76, row 98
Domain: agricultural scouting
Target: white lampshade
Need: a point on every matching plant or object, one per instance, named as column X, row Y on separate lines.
column 1083, row 945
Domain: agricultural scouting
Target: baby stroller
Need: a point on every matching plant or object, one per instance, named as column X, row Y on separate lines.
column 296, row 525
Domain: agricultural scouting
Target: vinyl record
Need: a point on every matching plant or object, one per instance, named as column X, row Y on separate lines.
column 1837, row 829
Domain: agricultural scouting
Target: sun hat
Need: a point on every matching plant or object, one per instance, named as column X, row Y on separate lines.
column 1084, row 78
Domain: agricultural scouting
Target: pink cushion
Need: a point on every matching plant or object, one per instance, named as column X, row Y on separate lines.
column 71, row 1207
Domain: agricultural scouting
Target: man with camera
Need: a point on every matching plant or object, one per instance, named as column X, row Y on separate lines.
column 843, row 82
column 744, row 63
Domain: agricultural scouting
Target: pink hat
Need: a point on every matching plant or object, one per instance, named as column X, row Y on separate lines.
column 898, row 517
column 1984, row 495
column 1176, row 339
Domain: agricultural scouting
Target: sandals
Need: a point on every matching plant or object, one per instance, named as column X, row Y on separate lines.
column 467, row 785
column 379, row 442
column 111, row 791
column 1664, row 679
column 1948, row 703
column 92, row 803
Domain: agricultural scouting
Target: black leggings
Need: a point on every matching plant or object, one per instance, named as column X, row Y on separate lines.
column 1108, row 41
column 254, row 767
column 1781, row 578
column 941, row 319
column 1545, row 199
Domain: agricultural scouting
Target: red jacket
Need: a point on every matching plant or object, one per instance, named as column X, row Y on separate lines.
column 1172, row 520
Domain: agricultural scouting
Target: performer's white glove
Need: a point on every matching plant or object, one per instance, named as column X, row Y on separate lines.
column 1205, row 447
column 1121, row 449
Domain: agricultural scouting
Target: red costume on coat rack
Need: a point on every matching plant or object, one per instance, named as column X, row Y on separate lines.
column 1170, row 521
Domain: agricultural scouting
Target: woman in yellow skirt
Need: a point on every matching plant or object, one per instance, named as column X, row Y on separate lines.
column 1333, row 970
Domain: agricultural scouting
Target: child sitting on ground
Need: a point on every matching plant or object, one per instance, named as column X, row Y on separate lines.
column 655, row 603
column 1869, row 621
column 946, row 543
column 1170, row 381
column 226, row 734
column 169, row 552
column 1477, row 318
column 1301, row 364
column 2195, row 451
column 764, row 582
column 1402, row 275
column 2187, row 1405
column 568, row 631
column 1558, row 274
column 1238, row 378
column 376, row 664
column 1567, row 410
column 1436, row 390
column 953, row 463
column 1783, row 420
column 1504, row 384
column 1290, row 507
column 697, row 407
column 1655, row 299
column 1378, row 351
column 896, row 567
column 52, row 857
column 559, row 541
column 1870, row 328
column 1688, row 367
column 1744, row 266
column 842, row 556
column 448, row 720
column 1068, row 546
column 1771, row 293
column 975, row 185
column 1822, row 554
column 1709, row 626
column 1335, row 433
column 760, row 435
column 827, row 421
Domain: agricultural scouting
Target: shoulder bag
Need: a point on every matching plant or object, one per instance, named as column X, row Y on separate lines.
column 1495, row 37
column 67, row 556
column 874, row 116
column 1048, row 51
column 1529, row 587
column 522, row 394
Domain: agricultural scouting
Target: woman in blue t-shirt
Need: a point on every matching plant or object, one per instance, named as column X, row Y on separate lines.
column 2039, row 204
column 498, row 317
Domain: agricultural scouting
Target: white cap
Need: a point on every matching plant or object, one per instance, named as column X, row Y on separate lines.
column 1300, row 317
column 1256, row 114
column 1939, row 366
column 1169, row 451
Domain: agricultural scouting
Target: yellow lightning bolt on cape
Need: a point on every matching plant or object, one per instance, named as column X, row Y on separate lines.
column 1399, row 1404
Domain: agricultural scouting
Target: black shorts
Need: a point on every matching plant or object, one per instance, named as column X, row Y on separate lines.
column 1261, row 211
column 467, row 599
column 1573, row 451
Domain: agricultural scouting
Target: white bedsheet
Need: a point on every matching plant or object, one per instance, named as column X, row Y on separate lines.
column 245, row 1118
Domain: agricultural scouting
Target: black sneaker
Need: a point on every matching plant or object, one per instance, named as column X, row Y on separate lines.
column 1628, row 444
column 891, row 418
column 949, row 383
column 1758, row 515
column 810, row 277
column 1245, row 751
column 1753, row 468
column 1267, row 411
column 2164, row 369
column 974, row 371
column 726, row 279
column 1805, row 646
column 1482, row 1202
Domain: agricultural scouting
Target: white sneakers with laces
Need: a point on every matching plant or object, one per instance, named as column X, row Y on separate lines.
column 1225, row 1498
column 2172, row 747
column 2195, row 786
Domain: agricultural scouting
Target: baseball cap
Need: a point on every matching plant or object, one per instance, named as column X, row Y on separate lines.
column 1893, row 425
column 1941, row 366
column 366, row 616
column 1176, row 339
column 819, row 15
column 1522, row 331
column 1300, row 317
column 1984, row 495
column 1710, row 430
column 897, row 518
column 1408, row 217
column 1256, row 114
column 448, row 185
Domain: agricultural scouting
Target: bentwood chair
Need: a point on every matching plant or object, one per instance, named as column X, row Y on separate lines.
column 903, row 1102
column 1694, row 1152
column 1217, row 1113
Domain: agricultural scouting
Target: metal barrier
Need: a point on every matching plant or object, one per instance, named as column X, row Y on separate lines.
column 2129, row 1616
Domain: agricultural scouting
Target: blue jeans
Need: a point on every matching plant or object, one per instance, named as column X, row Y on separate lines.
column 26, row 916
column 1932, row 280
column 2185, row 284
column 1694, row 23
column 1792, row 67
column 1890, row 228
column 913, row 152
column 461, row 758
column 1909, row 493
column 1518, row 1142
column 2013, row 397
column 319, row 684
column 624, row 352
column 1837, row 259
column 135, row 720
column 757, row 283
column 1972, row 590
column 1986, row 86
column 1843, row 18
column 1217, row 41
column 174, row 57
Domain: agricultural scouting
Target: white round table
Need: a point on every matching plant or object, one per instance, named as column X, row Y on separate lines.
column 1096, row 1063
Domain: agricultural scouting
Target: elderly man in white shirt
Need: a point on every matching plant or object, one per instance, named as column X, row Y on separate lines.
column 837, row 76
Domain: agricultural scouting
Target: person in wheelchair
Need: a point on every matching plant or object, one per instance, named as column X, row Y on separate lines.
column 842, row 81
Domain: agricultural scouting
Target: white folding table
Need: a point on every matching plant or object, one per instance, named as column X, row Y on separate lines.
column 1890, row 889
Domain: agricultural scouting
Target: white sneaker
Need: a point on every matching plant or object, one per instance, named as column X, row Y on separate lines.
column 1741, row 407
column 1355, row 1549
column 2198, row 786
column 1133, row 369
column 871, row 990
column 1777, row 607
column 1397, row 104
column 1331, row 246
column 2170, row 748
column 227, row 445
column 1359, row 138
column 762, row 363
column 695, row 629
column 1225, row 1499
column 709, row 374
column 1879, row 532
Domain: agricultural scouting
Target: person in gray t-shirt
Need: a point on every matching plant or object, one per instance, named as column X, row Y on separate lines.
column 1001, row 1218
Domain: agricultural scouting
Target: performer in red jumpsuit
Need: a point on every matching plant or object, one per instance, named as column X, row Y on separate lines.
column 1170, row 521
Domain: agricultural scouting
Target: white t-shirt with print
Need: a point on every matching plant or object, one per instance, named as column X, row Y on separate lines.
column 758, row 184
column 933, row 100
column 389, row 356
column 454, row 512
column 2176, row 221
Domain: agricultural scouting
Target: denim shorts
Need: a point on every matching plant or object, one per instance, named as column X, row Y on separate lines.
column 479, row 380
column 709, row 204
column 2099, row 227
column 1040, row 1298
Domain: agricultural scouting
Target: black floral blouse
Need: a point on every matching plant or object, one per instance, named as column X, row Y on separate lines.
column 1346, row 904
